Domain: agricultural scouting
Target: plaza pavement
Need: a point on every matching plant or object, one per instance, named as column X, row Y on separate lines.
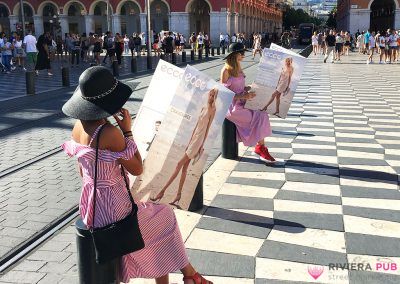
column 332, row 197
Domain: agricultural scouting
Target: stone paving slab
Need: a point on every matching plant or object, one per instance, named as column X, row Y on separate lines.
column 363, row 228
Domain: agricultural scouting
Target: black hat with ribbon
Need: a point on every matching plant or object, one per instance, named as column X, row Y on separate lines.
column 235, row 48
column 98, row 95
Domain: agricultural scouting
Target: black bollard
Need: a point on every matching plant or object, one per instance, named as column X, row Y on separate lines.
column 197, row 200
column 133, row 65
column 200, row 54
column 149, row 63
column 230, row 147
column 115, row 68
column 89, row 271
column 65, row 76
column 162, row 56
column 192, row 55
column 183, row 56
column 218, row 50
column 174, row 58
column 223, row 49
column 30, row 82
column 212, row 51
column 207, row 52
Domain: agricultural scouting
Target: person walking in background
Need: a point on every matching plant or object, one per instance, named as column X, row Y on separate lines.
column 372, row 45
column 347, row 43
column 338, row 46
column 43, row 58
column 193, row 41
column 256, row 45
column 126, row 44
column 109, row 46
column 119, row 47
column 382, row 47
column 30, row 49
column 97, row 44
column 20, row 53
column 330, row 45
column 99, row 96
column 314, row 42
column 6, row 47
column 75, row 50
column 138, row 43
column 252, row 126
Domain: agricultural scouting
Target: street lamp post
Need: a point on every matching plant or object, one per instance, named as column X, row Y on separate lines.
column 21, row 3
column 148, row 28
column 108, row 16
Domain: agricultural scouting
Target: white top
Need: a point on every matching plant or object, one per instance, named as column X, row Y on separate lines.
column 221, row 37
column 233, row 39
column 126, row 40
column 200, row 39
column 30, row 43
column 314, row 40
column 382, row 41
column 371, row 42
column 393, row 40
column 18, row 44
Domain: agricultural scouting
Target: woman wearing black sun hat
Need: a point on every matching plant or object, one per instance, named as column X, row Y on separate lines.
column 99, row 96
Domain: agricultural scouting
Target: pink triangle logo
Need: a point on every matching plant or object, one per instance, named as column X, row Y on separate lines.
column 315, row 271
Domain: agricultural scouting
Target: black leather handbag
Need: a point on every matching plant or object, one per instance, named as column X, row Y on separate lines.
column 121, row 237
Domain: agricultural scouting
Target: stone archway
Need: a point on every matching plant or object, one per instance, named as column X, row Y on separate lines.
column 75, row 11
column 101, row 16
column 49, row 12
column 199, row 16
column 4, row 20
column 159, row 15
column 28, row 16
column 130, row 17
column 382, row 15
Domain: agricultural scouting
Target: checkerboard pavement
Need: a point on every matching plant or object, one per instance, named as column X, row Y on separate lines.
column 331, row 198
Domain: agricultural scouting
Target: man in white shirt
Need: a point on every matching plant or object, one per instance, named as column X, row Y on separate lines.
column 221, row 40
column 30, row 48
column 393, row 45
column 200, row 40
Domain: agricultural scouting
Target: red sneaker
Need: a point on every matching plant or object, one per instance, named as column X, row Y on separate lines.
column 258, row 149
column 266, row 156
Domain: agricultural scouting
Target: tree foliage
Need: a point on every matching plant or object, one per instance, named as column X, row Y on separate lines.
column 331, row 22
column 293, row 18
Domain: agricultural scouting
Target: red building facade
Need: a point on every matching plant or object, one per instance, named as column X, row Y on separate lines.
column 128, row 16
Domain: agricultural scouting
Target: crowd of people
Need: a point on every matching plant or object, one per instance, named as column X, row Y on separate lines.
column 385, row 44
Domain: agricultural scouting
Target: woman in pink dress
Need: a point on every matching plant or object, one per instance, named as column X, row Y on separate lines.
column 252, row 126
column 195, row 149
column 98, row 96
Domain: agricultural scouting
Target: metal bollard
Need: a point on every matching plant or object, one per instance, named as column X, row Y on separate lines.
column 183, row 56
column 30, row 83
column 149, row 63
column 197, row 200
column 218, row 50
column 174, row 58
column 223, row 49
column 192, row 55
column 213, row 51
column 230, row 147
column 115, row 68
column 89, row 271
column 133, row 65
column 200, row 54
column 162, row 56
column 207, row 52
column 65, row 76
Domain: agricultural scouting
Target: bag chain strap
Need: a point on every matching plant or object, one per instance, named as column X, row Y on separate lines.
column 134, row 206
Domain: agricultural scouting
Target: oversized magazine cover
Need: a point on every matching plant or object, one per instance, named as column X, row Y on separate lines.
column 278, row 75
column 185, row 136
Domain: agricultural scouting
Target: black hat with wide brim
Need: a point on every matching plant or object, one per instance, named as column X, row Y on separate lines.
column 235, row 48
column 98, row 95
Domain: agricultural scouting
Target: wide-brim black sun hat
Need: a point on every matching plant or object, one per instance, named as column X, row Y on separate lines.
column 98, row 95
column 235, row 48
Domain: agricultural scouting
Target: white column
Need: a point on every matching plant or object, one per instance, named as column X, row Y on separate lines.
column 64, row 24
column 397, row 19
column 359, row 19
column 89, row 24
column 116, row 23
column 38, row 23
column 179, row 22
column 218, row 25
column 143, row 22
column 228, row 22
column 237, row 22
column 13, row 22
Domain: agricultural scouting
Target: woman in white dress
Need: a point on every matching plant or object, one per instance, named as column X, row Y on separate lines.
column 195, row 148
column 314, row 42
column 283, row 85
column 257, row 45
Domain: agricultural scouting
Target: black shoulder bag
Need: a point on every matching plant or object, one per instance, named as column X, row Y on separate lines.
column 121, row 237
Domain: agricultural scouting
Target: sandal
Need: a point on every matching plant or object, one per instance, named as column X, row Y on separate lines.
column 197, row 279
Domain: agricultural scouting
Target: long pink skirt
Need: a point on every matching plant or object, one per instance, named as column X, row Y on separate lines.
column 251, row 125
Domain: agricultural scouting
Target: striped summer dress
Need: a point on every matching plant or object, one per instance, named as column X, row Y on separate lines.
column 164, row 250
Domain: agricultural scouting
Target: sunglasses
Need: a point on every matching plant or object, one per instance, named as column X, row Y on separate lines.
column 242, row 52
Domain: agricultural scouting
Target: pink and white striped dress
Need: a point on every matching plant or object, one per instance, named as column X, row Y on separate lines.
column 164, row 250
